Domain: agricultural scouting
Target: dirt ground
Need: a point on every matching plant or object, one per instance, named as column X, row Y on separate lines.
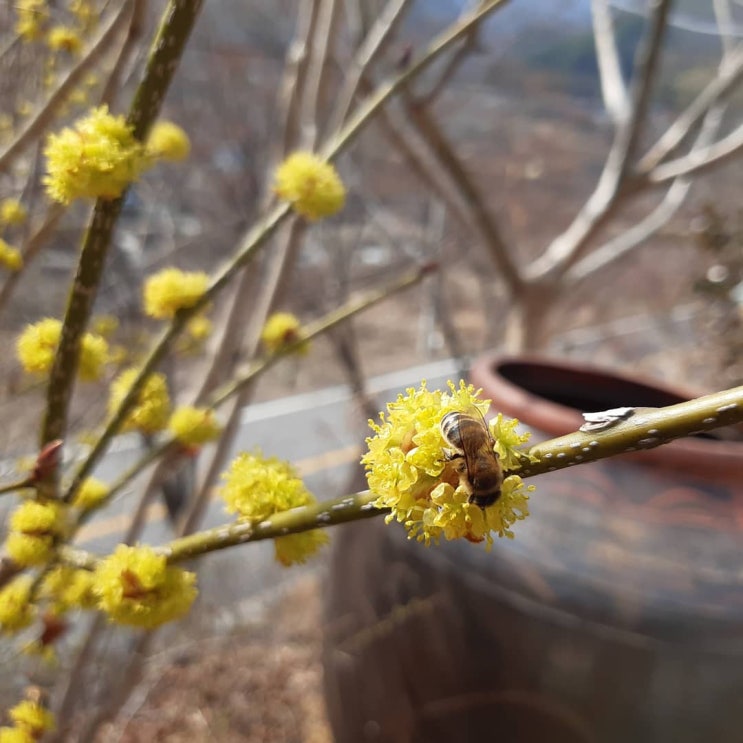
column 261, row 684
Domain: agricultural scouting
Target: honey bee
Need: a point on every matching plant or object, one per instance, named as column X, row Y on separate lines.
column 473, row 455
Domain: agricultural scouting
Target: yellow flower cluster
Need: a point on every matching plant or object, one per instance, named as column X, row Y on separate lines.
column 97, row 157
column 12, row 212
column 311, row 185
column 192, row 426
column 136, row 586
column 91, row 493
column 31, row 16
column 167, row 141
column 37, row 345
column 64, row 39
column 16, row 609
column 10, row 257
column 68, row 588
column 31, row 721
column 151, row 412
column 280, row 330
column 171, row 290
column 257, row 487
column 34, row 527
column 407, row 469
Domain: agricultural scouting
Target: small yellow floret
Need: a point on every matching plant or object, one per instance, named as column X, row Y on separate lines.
column 33, row 717
column 193, row 426
column 407, row 469
column 10, row 257
column 37, row 345
column 98, row 157
column 16, row 610
column 151, row 412
column 69, row 588
column 64, row 39
column 136, row 586
column 33, row 529
column 91, row 493
column 311, row 185
column 171, row 290
column 257, row 487
column 167, row 141
column 282, row 329
column 105, row 325
column 31, row 17
column 16, row 735
column 12, row 212
column 199, row 327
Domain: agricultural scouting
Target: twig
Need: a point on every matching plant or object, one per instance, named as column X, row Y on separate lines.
column 613, row 88
column 647, row 429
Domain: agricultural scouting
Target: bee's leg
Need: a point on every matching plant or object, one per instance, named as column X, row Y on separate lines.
column 451, row 454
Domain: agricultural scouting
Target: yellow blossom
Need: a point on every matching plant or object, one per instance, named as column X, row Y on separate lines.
column 86, row 13
column 33, row 717
column 105, row 325
column 16, row 610
column 311, row 185
column 12, row 212
column 91, row 493
column 64, row 39
column 199, row 327
column 167, row 141
column 280, row 330
column 33, row 529
column 10, row 257
column 151, row 412
column 136, row 586
column 257, row 487
column 16, row 735
column 37, row 345
column 193, row 426
column 409, row 472
column 171, row 290
column 98, row 157
column 68, row 588
column 31, row 15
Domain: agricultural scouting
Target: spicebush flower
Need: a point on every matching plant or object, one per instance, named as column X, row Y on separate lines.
column 167, row 141
column 16, row 610
column 12, row 212
column 68, row 588
column 408, row 471
column 257, row 487
column 10, row 257
column 37, row 346
column 135, row 586
column 310, row 185
column 31, row 15
column 192, row 426
column 91, row 493
column 171, row 290
column 64, row 39
column 97, row 158
column 33, row 529
column 32, row 717
column 281, row 329
column 152, row 409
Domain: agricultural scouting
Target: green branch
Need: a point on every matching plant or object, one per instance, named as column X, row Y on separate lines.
column 176, row 25
column 647, row 429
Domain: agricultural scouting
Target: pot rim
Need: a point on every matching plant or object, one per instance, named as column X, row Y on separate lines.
column 713, row 458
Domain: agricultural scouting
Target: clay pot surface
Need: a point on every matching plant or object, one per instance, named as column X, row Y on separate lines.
column 615, row 614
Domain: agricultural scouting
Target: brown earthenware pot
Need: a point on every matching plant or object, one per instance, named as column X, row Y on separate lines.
column 615, row 615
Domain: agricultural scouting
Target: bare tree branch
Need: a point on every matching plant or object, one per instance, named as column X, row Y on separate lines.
column 368, row 51
column 613, row 88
